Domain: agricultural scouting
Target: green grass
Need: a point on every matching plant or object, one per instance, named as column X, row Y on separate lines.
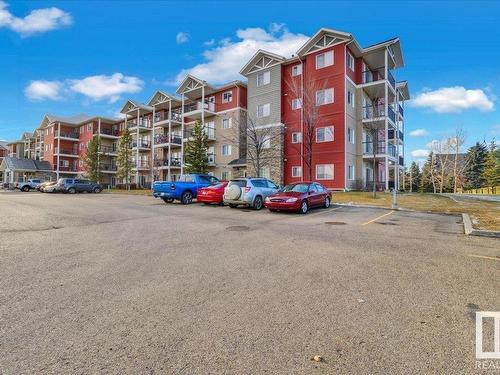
column 146, row 192
column 486, row 214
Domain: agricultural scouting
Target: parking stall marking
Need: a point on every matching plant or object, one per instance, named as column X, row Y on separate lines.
column 483, row 257
column 377, row 218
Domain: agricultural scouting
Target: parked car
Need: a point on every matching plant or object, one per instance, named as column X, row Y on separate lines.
column 28, row 185
column 48, row 187
column 44, row 184
column 212, row 194
column 299, row 197
column 75, row 185
column 249, row 192
column 185, row 189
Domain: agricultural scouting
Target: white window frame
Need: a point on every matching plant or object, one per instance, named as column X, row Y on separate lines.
column 89, row 127
column 229, row 97
column 297, row 137
column 326, row 59
column 264, row 106
column 324, row 175
column 296, row 70
column 351, row 176
column 332, row 131
column 227, row 148
column 324, row 102
column 296, row 168
column 266, row 142
column 225, row 178
column 351, row 135
column 350, row 98
column 263, row 78
column 296, row 103
column 64, row 163
column 229, row 123
column 350, row 61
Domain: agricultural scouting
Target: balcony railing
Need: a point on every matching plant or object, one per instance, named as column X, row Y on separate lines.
column 208, row 106
column 72, row 135
column 68, row 168
column 378, row 74
column 392, row 115
column 141, row 164
column 211, row 159
column 401, row 110
column 392, row 133
column 376, row 111
column 112, row 132
column 108, row 149
column 141, row 144
column 109, row 167
column 174, row 162
column 163, row 138
column 162, row 116
column 142, row 124
column 382, row 148
column 401, row 160
column 65, row 152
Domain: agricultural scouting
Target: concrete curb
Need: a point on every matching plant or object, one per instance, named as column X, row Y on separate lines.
column 470, row 231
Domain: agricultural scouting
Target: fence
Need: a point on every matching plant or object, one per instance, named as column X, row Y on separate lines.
column 493, row 190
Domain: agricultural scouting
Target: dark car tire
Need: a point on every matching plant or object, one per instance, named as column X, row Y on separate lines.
column 327, row 202
column 25, row 188
column 273, row 210
column 304, row 207
column 233, row 205
column 207, row 203
column 187, row 197
column 258, row 203
column 72, row 190
column 97, row 190
column 167, row 200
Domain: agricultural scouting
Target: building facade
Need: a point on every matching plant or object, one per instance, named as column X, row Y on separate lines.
column 341, row 111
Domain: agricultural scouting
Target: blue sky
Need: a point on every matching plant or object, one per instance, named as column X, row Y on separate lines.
column 68, row 57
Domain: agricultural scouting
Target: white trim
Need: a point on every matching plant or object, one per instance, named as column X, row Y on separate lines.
column 299, row 169
column 269, row 126
column 324, row 57
column 332, row 127
column 322, row 165
column 300, row 137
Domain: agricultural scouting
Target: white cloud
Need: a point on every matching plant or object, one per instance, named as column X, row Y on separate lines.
column 418, row 133
column 224, row 61
column 37, row 21
column 41, row 90
column 106, row 87
column 100, row 87
column 181, row 37
column 209, row 43
column 420, row 154
column 453, row 99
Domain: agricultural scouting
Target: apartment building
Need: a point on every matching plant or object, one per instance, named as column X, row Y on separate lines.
column 339, row 107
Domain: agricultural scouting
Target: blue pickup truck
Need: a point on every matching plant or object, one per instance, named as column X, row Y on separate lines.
column 184, row 189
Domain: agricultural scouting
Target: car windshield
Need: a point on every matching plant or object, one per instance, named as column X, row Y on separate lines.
column 299, row 188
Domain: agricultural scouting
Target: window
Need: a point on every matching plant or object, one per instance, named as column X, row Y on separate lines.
column 82, row 145
column 296, row 171
column 263, row 110
column 350, row 98
column 323, row 60
column 227, row 97
column 89, row 127
column 350, row 61
column 64, row 163
column 265, row 172
column 350, row 172
column 324, row 172
column 226, row 123
column 266, row 141
column 296, row 103
column 226, row 150
column 263, row 78
column 351, row 135
column 324, row 96
column 324, row 134
column 297, row 70
column 297, row 137
column 82, row 129
column 224, row 175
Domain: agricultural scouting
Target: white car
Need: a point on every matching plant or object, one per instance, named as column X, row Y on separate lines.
column 250, row 192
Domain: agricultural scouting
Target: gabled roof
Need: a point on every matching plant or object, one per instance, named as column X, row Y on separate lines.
column 402, row 86
column 190, row 83
column 132, row 105
column 17, row 164
column 261, row 60
column 324, row 38
column 3, row 144
column 162, row 97
column 74, row 120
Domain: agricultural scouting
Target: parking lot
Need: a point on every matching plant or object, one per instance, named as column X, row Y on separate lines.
column 110, row 283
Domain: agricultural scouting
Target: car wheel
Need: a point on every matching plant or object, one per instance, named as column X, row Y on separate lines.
column 304, row 207
column 187, row 197
column 97, row 190
column 25, row 188
column 233, row 205
column 327, row 202
column 257, row 203
column 167, row 200
column 72, row 190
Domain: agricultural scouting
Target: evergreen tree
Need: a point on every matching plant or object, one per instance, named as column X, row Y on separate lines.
column 124, row 159
column 425, row 183
column 491, row 173
column 414, row 177
column 196, row 150
column 91, row 160
column 476, row 158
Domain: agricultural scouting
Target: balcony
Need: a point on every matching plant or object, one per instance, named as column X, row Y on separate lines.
column 141, row 144
column 141, row 164
column 377, row 112
column 401, row 160
column 108, row 149
column 383, row 148
column 211, row 159
column 163, row 116
column 142, row 124
column 378, row 75
column 164, row 163
column 108, row 168
column 72, row 136
column 64, row 152
column 108, row 133
column 195, row 110
column 392, row 133
column 209, row 131
column 401, row 110
column 68, row 168
column 163, row 139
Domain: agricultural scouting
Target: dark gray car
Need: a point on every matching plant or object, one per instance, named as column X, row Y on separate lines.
column 77, row 185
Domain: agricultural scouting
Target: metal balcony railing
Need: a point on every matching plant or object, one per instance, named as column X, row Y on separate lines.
column 68, row 168
column 65, row 152
column 142, row 144
column 108, row 132
column 163, row 138
column 109, row 167
column 72, row 135
column 401, row 160
column 108, row 149
column 162, row 116
column 401, row 110
column 141, row 164
column 378, row 74
column 174, row 162
column 142, row 123
column 392, row 133
column 383, row 148
column 208, row 106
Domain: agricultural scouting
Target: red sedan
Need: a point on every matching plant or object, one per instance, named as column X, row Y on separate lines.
column 299, row 197
column 211, row 194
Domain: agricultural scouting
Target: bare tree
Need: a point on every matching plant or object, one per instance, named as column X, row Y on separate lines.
column 441, row 151
column 458, row 168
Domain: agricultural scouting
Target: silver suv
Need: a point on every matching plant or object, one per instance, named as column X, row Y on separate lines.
column 250, row 192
